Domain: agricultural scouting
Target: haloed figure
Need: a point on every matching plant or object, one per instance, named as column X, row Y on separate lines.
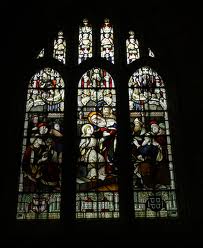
column 90, row 155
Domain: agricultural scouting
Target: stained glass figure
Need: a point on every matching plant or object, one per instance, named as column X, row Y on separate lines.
column 132, row 48
column 97, row 188
column 153, row 182
column 151, row 54
column 39, row 194
column 41, row 54
column 107, row 41
column 59, row 52
column 85, row 41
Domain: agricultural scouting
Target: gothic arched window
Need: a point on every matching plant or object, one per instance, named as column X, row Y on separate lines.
column 96, row 132
column 42, row 151
column 153, row 180
column 97, row 186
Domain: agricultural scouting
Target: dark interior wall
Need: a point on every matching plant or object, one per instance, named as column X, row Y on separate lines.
column 173, row 32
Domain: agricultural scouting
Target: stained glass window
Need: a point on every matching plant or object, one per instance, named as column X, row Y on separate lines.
column 153, row 182
column 85, row 41
column 107, row 41
column 132, row 47
column 97, row 191
column 97, row 188
column 151, row 54
column 60, row 48
column 39, row 194
column 41, row 54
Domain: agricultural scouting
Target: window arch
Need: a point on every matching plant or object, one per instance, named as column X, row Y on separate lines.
column 39, row 194
column 97, row 186
column 153, row 180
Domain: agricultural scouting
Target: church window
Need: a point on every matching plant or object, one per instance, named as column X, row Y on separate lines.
column 107, row 41
column 153, row 179
column 59, row 51
column 85, row 41
column 39, row 194
column 97, row 187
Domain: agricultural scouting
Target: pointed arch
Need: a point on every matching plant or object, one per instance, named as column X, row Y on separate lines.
column 97, row 188
column 39, row 194
column 153, row 182
column 97, row 195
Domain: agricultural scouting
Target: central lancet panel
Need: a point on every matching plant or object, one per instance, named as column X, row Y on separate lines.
column 97, row 188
